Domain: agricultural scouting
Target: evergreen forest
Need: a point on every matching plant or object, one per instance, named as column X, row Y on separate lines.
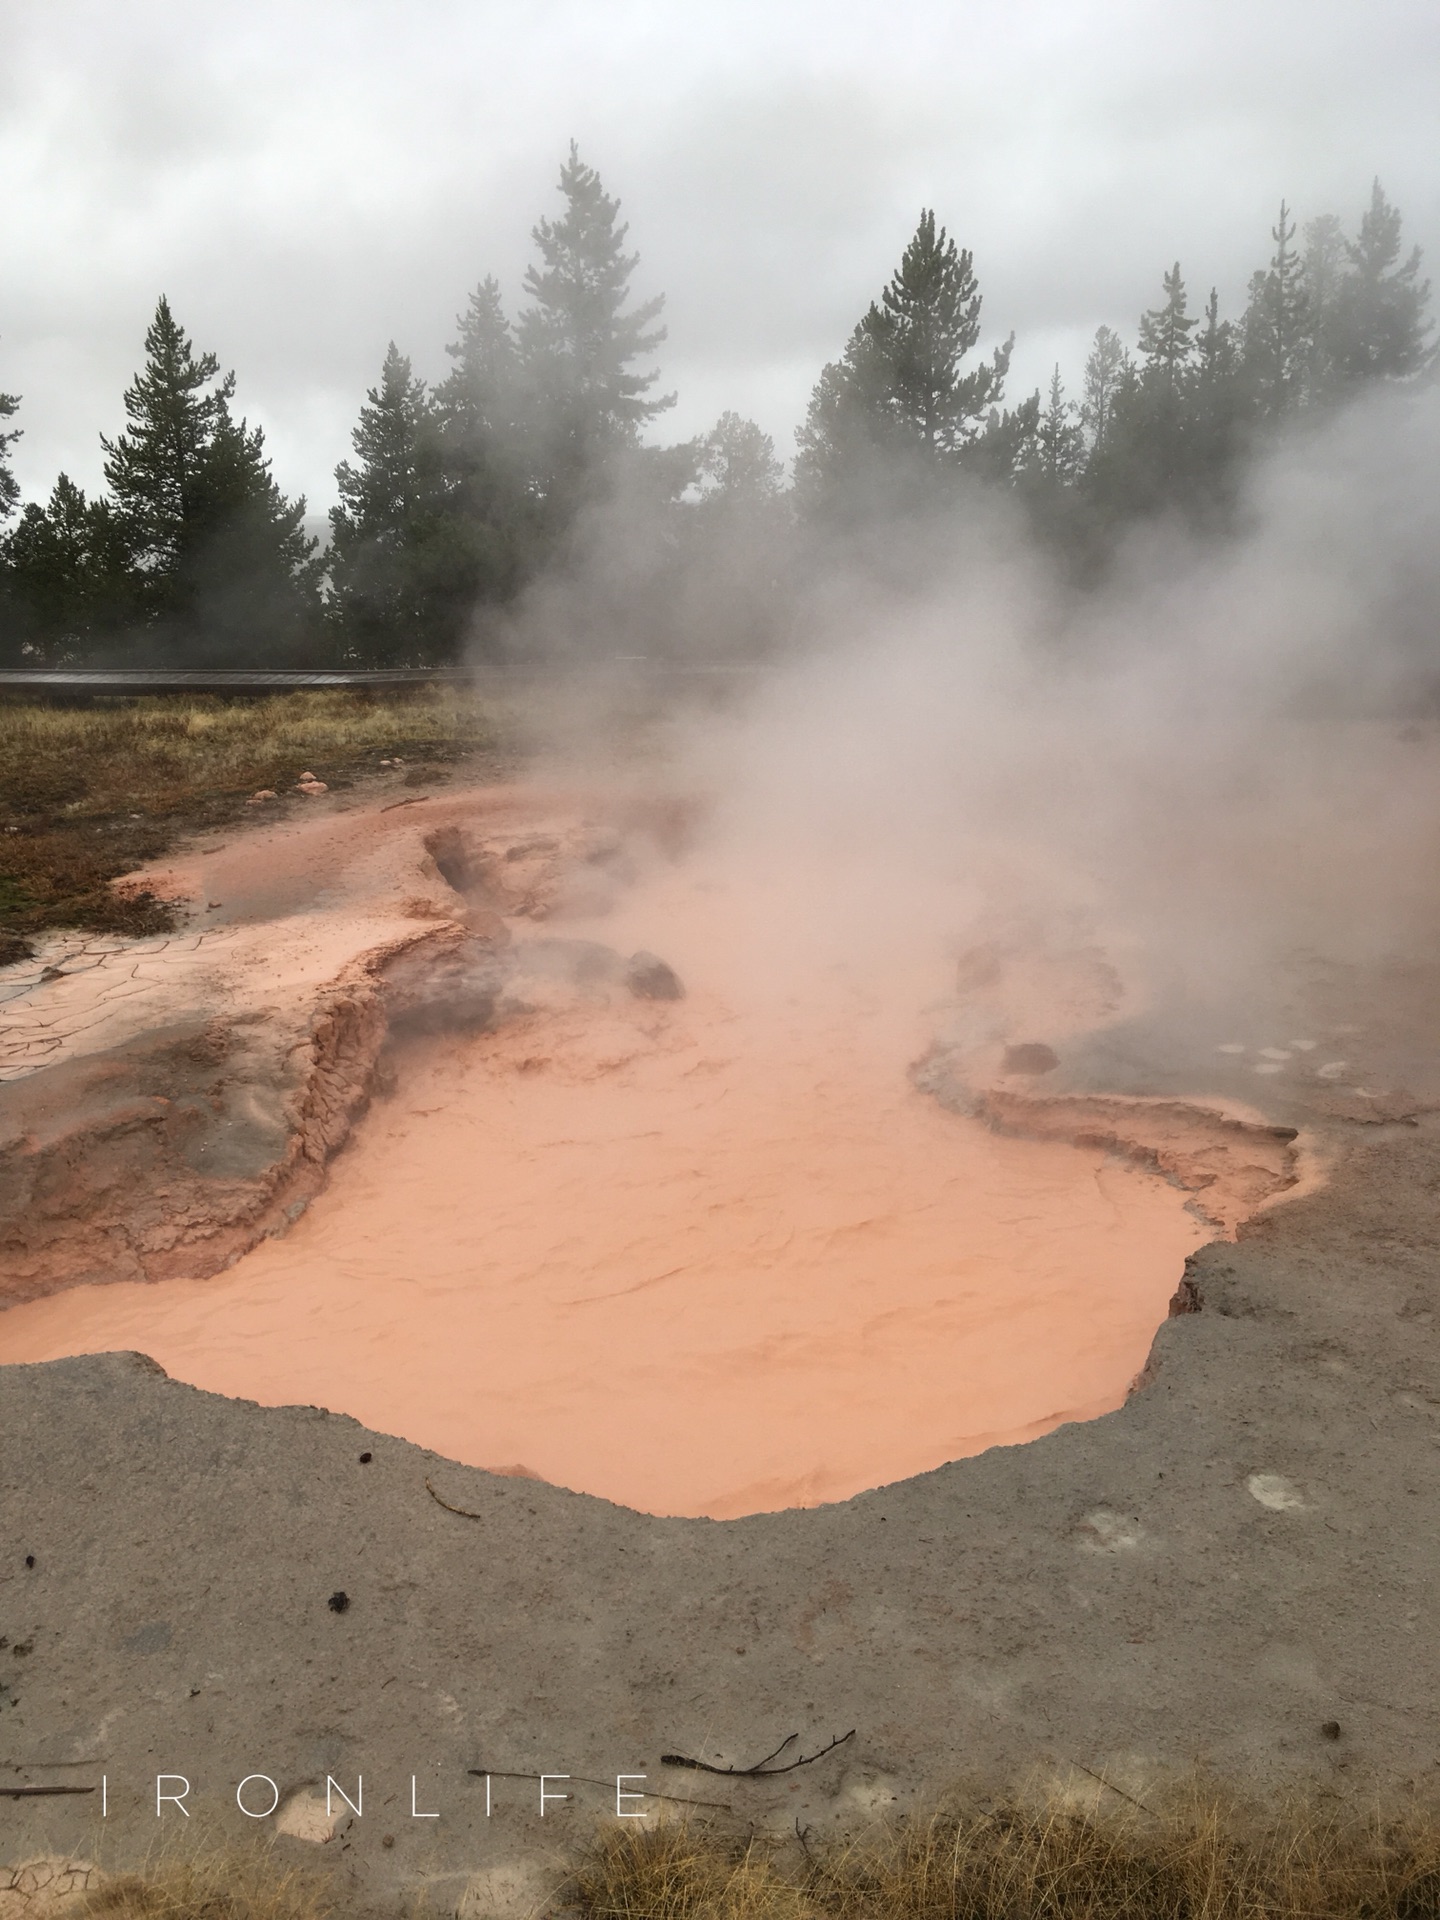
column 537, row 456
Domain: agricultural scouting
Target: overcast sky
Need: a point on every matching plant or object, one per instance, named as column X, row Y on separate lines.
column 308, row 180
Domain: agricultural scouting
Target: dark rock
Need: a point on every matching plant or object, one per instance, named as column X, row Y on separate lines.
column 450, row 988
column 1030, row 1057
column 651, row 978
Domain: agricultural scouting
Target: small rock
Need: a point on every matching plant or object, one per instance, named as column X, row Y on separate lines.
column 1103, row 1531
column 304, row 1817
column 651, row 978
column 265, row 793
column 1030, row 1057
column 339, row 1601
column 1277, row 1493
column 311, row 785
column 1330, row 1729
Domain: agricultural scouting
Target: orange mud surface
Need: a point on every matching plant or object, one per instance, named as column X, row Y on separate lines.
column 710, row 1256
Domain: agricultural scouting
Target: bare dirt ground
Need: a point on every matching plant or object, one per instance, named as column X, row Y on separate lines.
column 1234, row 1568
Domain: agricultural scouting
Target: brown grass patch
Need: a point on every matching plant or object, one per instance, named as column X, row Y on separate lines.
column 89, row 793
column 1198, row 1858
column 1198, row 1855
column 219, row 1883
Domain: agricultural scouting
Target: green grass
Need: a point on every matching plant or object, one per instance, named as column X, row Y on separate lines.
column 87, row 794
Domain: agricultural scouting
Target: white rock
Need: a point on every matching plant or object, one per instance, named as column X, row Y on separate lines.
column 1277, row 1493
column 303, row 1817
column 1105, row 1532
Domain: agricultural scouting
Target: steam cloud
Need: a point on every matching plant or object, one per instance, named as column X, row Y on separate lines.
column 1216, row 763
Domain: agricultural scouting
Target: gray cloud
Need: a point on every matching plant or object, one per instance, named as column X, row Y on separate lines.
column 308, row 180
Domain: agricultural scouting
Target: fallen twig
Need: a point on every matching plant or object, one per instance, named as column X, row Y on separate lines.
column 28, row 1793
column 464, row 1512
column 413, row 801
column 1111, row 1785
column 762, row 1769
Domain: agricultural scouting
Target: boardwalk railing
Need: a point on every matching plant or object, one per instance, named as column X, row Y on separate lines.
column 73, row 681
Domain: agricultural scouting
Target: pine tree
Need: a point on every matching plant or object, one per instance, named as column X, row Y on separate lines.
column 928, row 320
column 9, row 486
column 1221, row 408
column 896, row 406
column 1148, row 455
column 218, row 559
column 1325, row 262
column 1278, row 338
column 482, row 393
column 397, row 562
column 1108, row 370
column 1059, row 451
column 13, row 638
column 480, row 417
column 1217, row 357
column 155, row 470
column 1165, row 344
column 68, row 570
column 578, row 346
column 1381, row 326
column 738, row 466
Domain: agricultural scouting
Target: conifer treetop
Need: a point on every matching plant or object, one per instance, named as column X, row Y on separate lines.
column 1165, row 343
column 576, row 330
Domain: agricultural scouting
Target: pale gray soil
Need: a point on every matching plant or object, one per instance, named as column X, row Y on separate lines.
column 1115, row 1596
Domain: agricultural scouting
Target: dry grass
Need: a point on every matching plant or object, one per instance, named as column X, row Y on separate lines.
column 89, row 793
column 215, row 1883
column 1198, row 1856
column 1198, row 1859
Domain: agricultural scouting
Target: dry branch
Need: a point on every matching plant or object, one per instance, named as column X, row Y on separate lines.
column 762, row 1769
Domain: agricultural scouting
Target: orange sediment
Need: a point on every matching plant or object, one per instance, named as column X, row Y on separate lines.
column 712, row 1256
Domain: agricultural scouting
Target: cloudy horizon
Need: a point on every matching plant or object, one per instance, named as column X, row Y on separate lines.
column 306, row 183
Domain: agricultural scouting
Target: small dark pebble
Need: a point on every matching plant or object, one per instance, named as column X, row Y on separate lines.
column 388, row 1840
column 1331, row 1729
column 366, row 1458
column 29, row 1559
column 338, row 1601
